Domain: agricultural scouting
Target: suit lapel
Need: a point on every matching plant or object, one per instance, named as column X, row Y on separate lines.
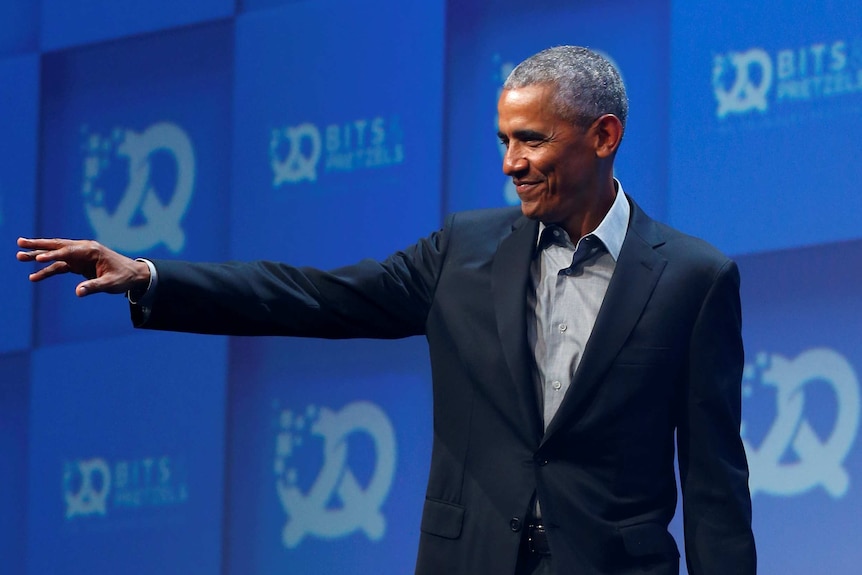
column 635, row 277
column 510, row 278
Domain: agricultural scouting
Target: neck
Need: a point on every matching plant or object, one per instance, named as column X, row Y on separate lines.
column 588, row 219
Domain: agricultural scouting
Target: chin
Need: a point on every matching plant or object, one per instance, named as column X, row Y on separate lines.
column 528, row 211
column 532, row 211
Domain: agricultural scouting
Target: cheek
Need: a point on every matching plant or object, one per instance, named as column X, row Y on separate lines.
column 543, row 171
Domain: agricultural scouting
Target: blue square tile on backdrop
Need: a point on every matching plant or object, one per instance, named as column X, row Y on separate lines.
column 19, row 26
column 329, row 455
column 767, row 108
column 14, row 435
column 19, row 116
column 337, row 130
column 67, row 23
column 135, row 153
column 126, row 458
column 801, row 406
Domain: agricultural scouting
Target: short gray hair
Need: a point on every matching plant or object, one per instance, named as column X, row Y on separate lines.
column 586, row 84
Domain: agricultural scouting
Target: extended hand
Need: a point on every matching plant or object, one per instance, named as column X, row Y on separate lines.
column 106, row 270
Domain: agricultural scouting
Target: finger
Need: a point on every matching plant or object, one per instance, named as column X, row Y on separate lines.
column 54, row 269
column 25, row 242
column 50, row 255
column 41, row 243
column 64, row 253
column 31, row 256
column 28, row 256
column 38, row 247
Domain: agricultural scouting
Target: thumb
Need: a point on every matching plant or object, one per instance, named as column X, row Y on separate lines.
column 88, row 287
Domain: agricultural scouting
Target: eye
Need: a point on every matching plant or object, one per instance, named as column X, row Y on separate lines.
column 532, row 138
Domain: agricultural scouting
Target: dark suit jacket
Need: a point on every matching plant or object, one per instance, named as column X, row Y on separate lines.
column 665, row 356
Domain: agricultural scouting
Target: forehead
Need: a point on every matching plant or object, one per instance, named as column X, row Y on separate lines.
column 534, row 103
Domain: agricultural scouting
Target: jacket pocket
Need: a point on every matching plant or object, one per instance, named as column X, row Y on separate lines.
column 644, row 539
column 442, row 518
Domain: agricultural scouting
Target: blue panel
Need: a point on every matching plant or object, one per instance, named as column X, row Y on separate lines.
column 329, row 454
column 801, row 406
column 19, row 25
column 485, row 41
column 14, row 399
column 337, row 130
column 127, row 456
column 135, row 153
column 71, row 22
column 19, row 118
column 246, row 5
column 767, row 107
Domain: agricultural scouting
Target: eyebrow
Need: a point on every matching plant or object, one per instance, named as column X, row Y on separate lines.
column 524, row 135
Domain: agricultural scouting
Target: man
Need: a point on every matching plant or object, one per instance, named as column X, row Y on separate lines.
column 570, row 340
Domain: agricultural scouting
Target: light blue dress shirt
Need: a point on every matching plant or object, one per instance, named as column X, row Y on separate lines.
column 564, row 302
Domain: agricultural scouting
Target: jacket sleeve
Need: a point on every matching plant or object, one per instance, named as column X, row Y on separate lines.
column 712, row 463
column 370, row 299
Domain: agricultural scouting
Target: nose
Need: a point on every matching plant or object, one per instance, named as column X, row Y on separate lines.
column 514, row 163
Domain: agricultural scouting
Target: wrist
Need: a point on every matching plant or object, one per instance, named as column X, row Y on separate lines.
column 143, row 281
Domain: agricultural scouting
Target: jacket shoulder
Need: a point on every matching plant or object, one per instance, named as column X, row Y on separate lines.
column 506, row 216
column 483, row 225
column 676, row 245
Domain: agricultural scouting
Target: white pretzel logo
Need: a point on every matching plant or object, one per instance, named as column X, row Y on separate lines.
column 295, row 166
column 744, row 94
column 818, row 462
column 311, row 513
column 91, row 495
column 162, row 222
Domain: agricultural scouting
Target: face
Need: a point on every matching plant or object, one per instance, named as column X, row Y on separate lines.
column 551, row 161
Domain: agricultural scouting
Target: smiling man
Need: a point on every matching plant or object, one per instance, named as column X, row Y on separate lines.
column 572, row 341
column 560, row 163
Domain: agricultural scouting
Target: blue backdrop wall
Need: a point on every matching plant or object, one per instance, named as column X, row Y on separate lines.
column 320, row 132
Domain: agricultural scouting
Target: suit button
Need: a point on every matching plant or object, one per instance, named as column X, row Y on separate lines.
column 541, row 461
column 515, row 524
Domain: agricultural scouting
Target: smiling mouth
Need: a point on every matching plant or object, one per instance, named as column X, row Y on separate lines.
column 522, row 186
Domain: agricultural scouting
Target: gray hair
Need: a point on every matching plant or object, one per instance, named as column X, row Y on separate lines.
column 586, row 84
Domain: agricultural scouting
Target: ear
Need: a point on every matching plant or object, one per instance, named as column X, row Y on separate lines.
column 608, row 132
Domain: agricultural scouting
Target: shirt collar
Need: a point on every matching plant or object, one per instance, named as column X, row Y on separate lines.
column 612, row 229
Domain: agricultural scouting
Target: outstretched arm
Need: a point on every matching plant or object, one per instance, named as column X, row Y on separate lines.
column 106, row 270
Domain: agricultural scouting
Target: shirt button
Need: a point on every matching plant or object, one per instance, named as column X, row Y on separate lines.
column 515, row 524
column 563, row 327
column 556, row 384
